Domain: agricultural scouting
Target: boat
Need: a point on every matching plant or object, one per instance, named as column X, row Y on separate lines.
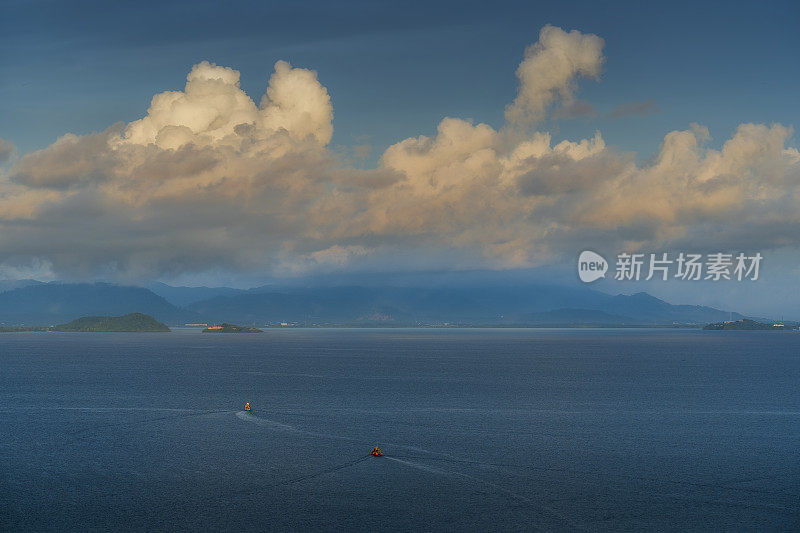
column 376, row 452
column 247, row 406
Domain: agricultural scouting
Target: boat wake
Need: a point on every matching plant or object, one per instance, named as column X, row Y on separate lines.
column 510, row 493
column 122, row 422
column 419, row 466
column 279, row 426
column 98, row 409
column 265, row 422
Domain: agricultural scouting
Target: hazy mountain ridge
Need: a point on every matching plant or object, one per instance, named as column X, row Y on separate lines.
column 517, row 305
column 532, row 304
column 55, row 303
column 183, row 296
column 11, row 284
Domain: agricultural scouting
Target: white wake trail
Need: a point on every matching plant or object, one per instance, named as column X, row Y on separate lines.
column 504, row 490
column 265, row 422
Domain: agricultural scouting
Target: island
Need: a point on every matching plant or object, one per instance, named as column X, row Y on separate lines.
column 132, row 322
column 230, row 328
column 746, row 324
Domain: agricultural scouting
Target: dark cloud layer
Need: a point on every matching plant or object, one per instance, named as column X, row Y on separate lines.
column 640, row 109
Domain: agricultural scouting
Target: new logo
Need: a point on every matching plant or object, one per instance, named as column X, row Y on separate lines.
column 591, row 266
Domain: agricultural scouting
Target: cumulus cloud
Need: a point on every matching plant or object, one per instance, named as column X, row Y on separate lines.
column 212, row 110
column 210, row 180
column 550, row 69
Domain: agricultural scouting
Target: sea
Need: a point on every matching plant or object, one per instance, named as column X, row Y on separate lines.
column 480, row 429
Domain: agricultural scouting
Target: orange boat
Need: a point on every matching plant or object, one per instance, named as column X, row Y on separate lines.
column 376, row 452
column 247, row 406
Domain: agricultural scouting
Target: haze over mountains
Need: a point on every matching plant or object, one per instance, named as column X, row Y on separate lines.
column 532, row 304
column 47, row 304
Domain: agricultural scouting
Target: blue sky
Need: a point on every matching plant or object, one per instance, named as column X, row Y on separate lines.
column 394, row 70
column 695, row 105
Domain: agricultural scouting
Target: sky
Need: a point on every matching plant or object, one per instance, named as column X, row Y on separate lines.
column 392, row 137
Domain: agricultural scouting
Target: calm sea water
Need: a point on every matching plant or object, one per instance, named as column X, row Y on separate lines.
column 483, row 430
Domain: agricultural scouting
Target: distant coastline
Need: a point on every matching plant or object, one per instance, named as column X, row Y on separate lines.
column 748, row 325
column 37, row 306
column 130, row 323
column 527, row 305
column 230, row 328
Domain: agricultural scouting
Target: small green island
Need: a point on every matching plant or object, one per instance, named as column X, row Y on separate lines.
column 230, row 328
column 746, row 325
column 133, row 322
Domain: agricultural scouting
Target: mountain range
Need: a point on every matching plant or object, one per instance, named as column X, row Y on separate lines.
column 46, row 304
column 534, row 304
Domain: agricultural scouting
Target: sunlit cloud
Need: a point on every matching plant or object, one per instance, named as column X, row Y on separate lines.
column 210, row 179
column 550, row 70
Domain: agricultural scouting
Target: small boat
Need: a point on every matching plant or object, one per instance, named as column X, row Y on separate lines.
column 376, row 452
column 247, row 406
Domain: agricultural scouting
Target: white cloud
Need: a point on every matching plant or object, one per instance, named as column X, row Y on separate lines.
column 550, row 69
column 209, row 181
column 213, row 110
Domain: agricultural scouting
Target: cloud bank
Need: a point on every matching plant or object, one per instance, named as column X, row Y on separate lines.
column 209, row 180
